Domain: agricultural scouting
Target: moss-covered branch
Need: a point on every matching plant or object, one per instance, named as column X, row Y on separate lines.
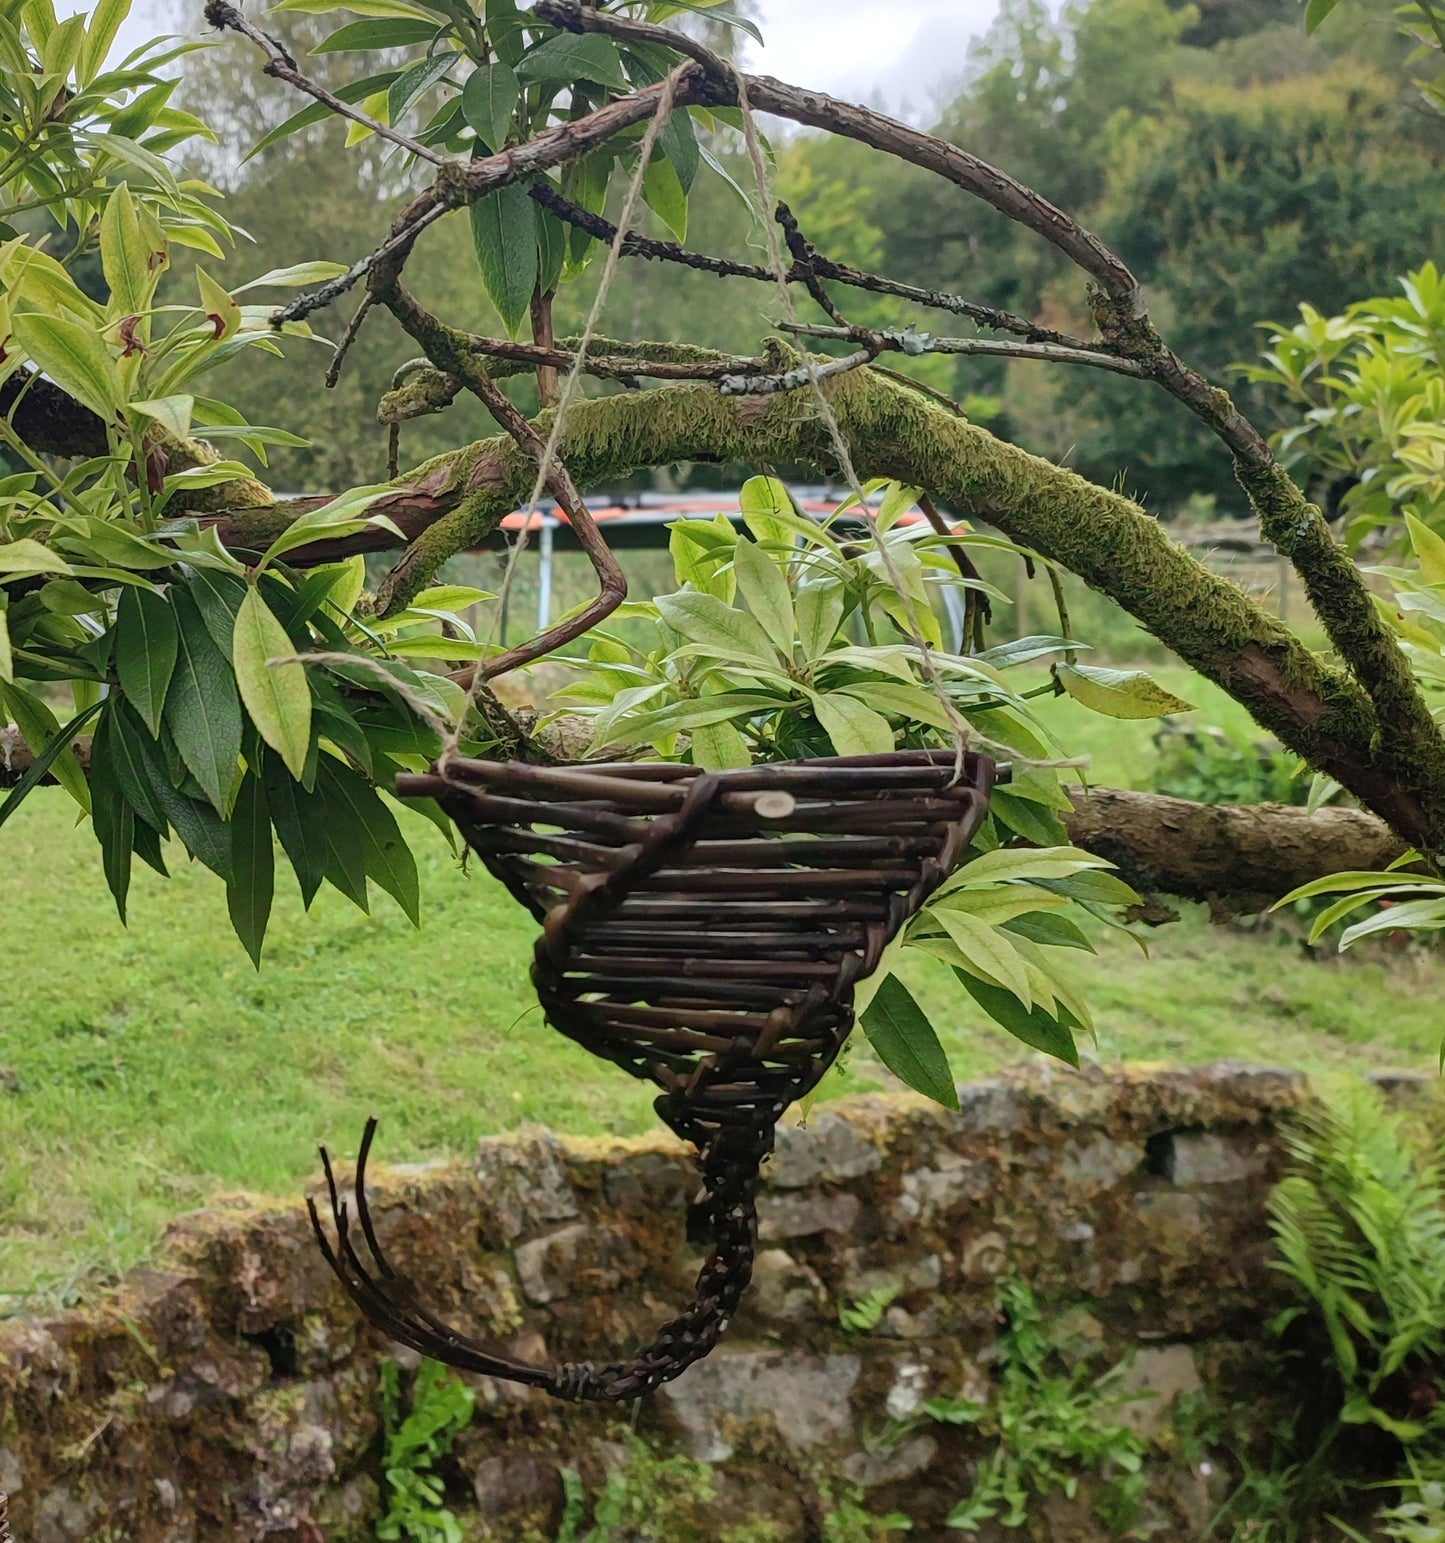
column 453, row 501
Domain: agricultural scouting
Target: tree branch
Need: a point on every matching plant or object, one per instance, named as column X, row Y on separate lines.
column 1240, row 858
column 455, row 500
column 49, row 419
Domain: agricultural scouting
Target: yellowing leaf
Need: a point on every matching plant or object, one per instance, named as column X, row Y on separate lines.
column 74, row 357
column 28, row 556
column 1120, row 693
column 217, row 303
column 277, row 696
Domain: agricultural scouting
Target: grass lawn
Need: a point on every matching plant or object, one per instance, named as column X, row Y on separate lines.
column 152, row 1068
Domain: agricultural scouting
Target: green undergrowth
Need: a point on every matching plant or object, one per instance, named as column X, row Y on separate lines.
column 146, row 1071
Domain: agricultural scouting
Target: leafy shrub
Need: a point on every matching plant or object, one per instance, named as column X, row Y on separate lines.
column 1210, row 765
column 441, row 1406
column 1054, row 1424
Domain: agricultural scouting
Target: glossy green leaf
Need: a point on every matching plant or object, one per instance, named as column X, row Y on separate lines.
column 253, row 867
column 300, row 819
column 125, row 255
column 24, row 557
column 1038, row 1028
column 706, row 620
column 146, row 645
column 987, row 951
column 767, row 510
column 173, row 413
column 1119, row 693
column 905, row 1041
column 130, row 743
column 664, row 194
column 277, row 696
column 202, row 708
column 416, row 82
column 504, row 237
column 764, row 589
column 378, row 32
column 819, row 610
column 853, row 728
column 719, row 747
column 572, row 56
column 1316, row 12
column 384, row 851
column 111, row 816
column 489, row 98
column 74, row 357
column 1429, row 549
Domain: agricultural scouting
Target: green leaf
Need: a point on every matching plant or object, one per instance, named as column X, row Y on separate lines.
column 1338, row 883
column 853, row 728
column 295, row 277
column 129, row 746
column 384, row 851
column 74, row 357
column 125, row 255
column 277, row 696
column 767, row 510
column 664, row 194
column 218, row 305
column 1119, row 693
column 705, row 620
column 416, row 82
column 1028, row 819
column 201, row 830
column 719, row 747
column 40, row 730
column 504, row 237
column 987, row 953
column 378, row 32
column 1315, row 12
column 1039, row 1028
column 54, row 751
column 202, row 708
column 111, row 816
column 320, row 112
column 819, row 609
column 571, row 56
column 253, row 867
column 146, row 642
column 1429, row 549
column 1411, row 916
column 489, row 98
column 701, row 557
column 299, row 817
column 218, row 597
column 505, row 30
column 171, row 412
column 1048, row 930
column 677, row 139
column 25, row 557
column 765, row 590
column 7, row 654
column 893, row 697
column 105, row 23
column 905, row 1042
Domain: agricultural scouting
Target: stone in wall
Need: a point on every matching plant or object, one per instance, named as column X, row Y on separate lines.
column 230, row 1392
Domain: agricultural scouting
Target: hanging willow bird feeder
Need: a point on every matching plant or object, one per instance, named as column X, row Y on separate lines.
column 705, row 931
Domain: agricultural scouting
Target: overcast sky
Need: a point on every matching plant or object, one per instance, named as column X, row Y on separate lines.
column 898, row 54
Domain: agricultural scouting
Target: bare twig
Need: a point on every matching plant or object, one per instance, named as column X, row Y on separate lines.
column 333, row 370
column 917, row 343
column 794, row 379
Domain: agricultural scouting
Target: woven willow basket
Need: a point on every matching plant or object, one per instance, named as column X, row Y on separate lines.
column 705, row 931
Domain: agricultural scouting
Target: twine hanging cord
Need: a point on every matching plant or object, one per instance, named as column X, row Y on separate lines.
column 960, row 727
column 551, row 473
